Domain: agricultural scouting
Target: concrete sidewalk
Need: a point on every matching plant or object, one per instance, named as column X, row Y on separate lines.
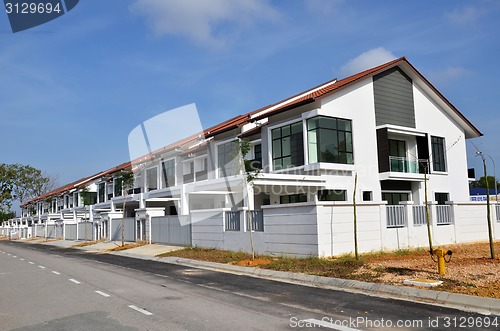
column 147, row 252
column 471, row 303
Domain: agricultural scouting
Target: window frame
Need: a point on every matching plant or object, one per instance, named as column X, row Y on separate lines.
column 318, row 129
column 442, row 155
column 271, row 144
column 440, row 201
column 330, row 191
column 409, row 193
column 146, row 178
column 163, row 170
column 297, row 196
column 218, row 168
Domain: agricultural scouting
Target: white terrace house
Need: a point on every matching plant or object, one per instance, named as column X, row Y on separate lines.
column 387, row 125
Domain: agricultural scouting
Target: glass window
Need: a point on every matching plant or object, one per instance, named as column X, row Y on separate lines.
column 441, row 198
column 395, row 198
column 152, row 179
column 118, row 187
column 200, row 167
column 288, row 146
column 293, row 198
column 332, row 195
column 397, row 148
column 397, row 153
column 367, row 195
column 168, row 173
column 227, row 159
column 257, row 152
column 438, row 154
column 256, row 163
column 188, row 171
column 101, row 192
column 330, row 140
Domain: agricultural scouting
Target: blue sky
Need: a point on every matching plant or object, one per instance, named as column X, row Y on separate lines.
column 72, row 89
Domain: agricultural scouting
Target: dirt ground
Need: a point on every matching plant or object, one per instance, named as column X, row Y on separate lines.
column 470, row 271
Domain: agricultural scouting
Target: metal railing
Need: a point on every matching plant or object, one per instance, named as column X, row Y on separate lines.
column 444, row 214
column 233, row 221
column 497, row 209
column 396, row 216
column 257, row 220
column 419, row 215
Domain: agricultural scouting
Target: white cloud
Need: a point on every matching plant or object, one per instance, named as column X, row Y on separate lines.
column 366, row 60
column 202, row 22
column 465, row 15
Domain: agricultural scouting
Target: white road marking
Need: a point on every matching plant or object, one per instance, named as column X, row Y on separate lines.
column 74, row 281
column 31, row 262
column 56, row 273
column 8, row 254
column 103, row 294
column 329, row 325
column 41, row 267
column 21, row 259
column 14, row 256
column 145, row 312
column 235, row 293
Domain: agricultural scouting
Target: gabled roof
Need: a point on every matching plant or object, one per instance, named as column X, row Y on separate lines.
column 77, row 184
column 331, row 87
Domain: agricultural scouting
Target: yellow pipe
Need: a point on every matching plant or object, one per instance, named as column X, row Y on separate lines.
column 440, row 253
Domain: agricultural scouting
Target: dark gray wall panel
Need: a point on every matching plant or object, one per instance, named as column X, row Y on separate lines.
column 172, row 230
column 70, row 231
column 383, row 150
column 393, row 93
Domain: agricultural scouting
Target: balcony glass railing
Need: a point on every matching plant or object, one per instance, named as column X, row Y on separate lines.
column 403, row 164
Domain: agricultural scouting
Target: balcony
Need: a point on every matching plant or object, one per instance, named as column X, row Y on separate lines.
column 403, row 164
column 402, row 168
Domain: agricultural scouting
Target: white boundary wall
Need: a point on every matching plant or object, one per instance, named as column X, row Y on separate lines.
column 327, row 229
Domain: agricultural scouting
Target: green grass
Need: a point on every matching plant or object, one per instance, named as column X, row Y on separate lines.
column 344, row 266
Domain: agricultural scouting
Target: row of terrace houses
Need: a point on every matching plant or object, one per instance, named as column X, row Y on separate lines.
column 388, row 126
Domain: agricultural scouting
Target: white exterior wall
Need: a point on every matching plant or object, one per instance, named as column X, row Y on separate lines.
column 433, row 120
column 336, row 228
column 291, row 230
column 356, row 103
column 471, row 224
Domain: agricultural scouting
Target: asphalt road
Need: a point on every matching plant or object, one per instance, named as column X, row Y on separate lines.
column 49, row 288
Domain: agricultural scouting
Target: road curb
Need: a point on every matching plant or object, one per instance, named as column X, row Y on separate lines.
column 470, row 303
column 459, row 301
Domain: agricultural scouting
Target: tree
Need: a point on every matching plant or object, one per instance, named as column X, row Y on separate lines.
column 7, row 181
column 250, row 174
column 483, row 183
column 21, row 183
column 6, row 216
column 126, row 180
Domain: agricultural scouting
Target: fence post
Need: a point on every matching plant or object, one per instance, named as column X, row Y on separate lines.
column 410, row 228
column 495, row 220
column 245, row 224
column 434, row 217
